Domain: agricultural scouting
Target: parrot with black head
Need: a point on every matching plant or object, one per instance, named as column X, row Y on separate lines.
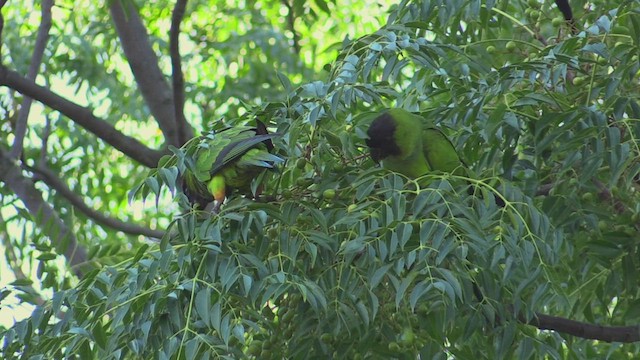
column 413, row 146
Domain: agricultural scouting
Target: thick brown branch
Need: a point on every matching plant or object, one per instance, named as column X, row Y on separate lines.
column 82, row 116
column 624, row 334
column 143, row 62
column 43, row 214
column 36, row 60
column 176, row 66
column 52, row 180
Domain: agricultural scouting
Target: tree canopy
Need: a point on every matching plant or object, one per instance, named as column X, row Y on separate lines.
column 337, row 258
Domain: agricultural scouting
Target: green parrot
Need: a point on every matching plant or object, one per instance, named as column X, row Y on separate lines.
column 411, row 145
column 219, row 161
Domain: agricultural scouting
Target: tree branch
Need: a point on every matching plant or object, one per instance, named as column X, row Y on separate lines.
column 43, row 214
column 55, row 182
column 82, row 116
column 144, row 65
column 36, row 60
column 176, row 67
column 624, row 334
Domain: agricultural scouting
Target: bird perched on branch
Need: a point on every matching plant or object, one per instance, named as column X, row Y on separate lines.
column 217, row 162
column 411, row 145
column 414, row 146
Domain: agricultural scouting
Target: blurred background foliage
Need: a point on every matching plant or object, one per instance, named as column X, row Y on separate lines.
column 344, row 260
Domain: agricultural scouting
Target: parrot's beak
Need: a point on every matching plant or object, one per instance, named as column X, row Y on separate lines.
column 376, row 155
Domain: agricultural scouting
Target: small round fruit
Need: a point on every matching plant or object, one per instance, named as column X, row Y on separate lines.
column 587, row 196
column 339, row 167
column 351, row 208
column 511, row 45
column 393, row 346
column 329, row 194
column 303, row 182
column 301, row 163
column 407, row 337
column 491, row 49
column 557, row 22
column 602, row 225
column 255, row 348
column 579, row 80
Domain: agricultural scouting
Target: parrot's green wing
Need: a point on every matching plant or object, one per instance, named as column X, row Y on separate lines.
column 440, row 152
column 239, row 148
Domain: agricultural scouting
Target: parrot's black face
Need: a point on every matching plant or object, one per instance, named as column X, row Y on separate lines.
column 381, row 141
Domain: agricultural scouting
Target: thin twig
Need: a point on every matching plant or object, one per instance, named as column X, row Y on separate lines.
column 55, row 182
column 291, row 19
column 176, row 66
column 45, row 139
column 36, row 59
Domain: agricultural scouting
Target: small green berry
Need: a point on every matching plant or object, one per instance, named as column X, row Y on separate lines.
column 329, row 194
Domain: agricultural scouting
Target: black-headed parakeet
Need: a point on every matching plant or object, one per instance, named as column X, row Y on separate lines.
column 411, row 145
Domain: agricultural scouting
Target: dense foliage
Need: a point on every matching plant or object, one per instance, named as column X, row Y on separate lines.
column 339, row 258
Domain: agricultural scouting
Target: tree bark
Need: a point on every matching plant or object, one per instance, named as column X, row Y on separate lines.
column 144, row 65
